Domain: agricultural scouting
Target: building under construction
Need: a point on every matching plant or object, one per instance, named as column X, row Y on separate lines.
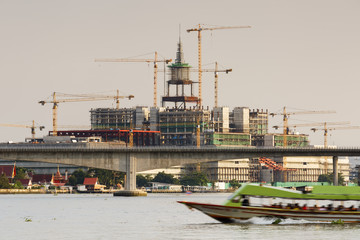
column 293, row 140
column 290, row 169
column 181, row 121
column 179, row 127
column 112, row 118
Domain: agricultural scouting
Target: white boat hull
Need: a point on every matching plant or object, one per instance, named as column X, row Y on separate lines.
column 229, row 214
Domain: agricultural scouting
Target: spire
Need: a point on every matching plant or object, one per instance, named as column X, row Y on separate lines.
column 179, row 53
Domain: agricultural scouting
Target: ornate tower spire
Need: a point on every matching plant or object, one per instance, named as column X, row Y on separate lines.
column 179, row 53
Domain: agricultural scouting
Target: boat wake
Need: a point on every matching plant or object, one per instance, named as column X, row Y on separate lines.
column 267, row 221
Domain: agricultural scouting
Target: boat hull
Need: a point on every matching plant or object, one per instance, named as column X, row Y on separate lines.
column 228, row 214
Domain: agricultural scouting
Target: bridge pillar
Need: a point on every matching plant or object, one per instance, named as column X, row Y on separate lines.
column 130, row 184
column 130, row 172
column 335, row 170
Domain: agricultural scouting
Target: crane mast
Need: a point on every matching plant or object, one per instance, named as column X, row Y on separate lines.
column 326, row 130
column 155, row 60
column 32, row 127
column 286, row 115
column 199, row 29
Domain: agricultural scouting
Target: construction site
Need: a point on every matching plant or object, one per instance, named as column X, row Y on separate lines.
column 182, row 120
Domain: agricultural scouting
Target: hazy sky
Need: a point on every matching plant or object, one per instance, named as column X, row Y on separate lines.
column 302, row 54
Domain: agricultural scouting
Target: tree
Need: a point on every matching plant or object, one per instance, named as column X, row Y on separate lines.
column 21, row 173
column 329, row 177
column 234, row 183
column 4, row 182
column 194, row 179
column 143, row 181
column 18, row 185
column 165, row 178
column 107, row 177
column 77, row 177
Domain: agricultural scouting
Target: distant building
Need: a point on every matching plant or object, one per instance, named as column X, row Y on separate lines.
column 293, row 140
column 9, row 171
column 92, row 184
column 41, row 179
column 178, row 127
column 58, row 180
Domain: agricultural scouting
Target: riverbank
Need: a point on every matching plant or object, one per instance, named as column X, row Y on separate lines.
column 106, row 191
column 33, row 191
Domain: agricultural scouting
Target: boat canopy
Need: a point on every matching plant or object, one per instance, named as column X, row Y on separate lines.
column 342, row 193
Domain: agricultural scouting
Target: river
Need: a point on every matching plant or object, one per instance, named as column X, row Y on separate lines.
column 157, row 216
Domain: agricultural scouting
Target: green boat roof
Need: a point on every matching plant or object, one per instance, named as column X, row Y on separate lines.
column 318, row 192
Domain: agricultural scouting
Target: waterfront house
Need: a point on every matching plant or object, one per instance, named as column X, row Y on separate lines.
column 92, row 184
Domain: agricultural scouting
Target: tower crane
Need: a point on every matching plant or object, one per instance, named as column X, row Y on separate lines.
column 326, row 130
column 325, row 124
column 78, row 98
column 155, row 60
column 286, row 116
column 315, row 124
column 199, row 29
column 32, row 127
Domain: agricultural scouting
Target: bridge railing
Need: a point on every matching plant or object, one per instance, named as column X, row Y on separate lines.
column 81, row 146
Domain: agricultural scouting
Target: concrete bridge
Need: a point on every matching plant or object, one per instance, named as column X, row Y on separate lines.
column 132, row 160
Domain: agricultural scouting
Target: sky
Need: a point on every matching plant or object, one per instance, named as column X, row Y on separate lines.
column 302, row 54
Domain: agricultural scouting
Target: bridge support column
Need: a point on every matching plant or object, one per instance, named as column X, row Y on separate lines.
column 130, row 184
column 335, row 170
column 130, row 172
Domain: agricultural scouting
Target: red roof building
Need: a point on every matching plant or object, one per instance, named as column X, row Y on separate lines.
column 93, row 184
column 41, row 178
column 8, row 170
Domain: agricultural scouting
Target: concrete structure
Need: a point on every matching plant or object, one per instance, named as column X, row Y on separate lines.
column 43, row 167
column 227, row 139
column 258, row 122
column 293, row 140
column 221, row 119
column 308, row 169
column 176, row 171
column 141, row 117
column 297, row 169
column 225, row 171
column 240, row 120
column 112, row 118
column 178, row 126
column 154, row 118
column 133, row 160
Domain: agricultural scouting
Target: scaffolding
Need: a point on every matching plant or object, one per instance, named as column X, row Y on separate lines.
column 258, row 122
column 178, row 126
column 293, row 140
column 228, row 139
column 180, row 78
column 112, row 118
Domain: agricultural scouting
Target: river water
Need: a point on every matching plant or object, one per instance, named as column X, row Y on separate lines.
column 157, row 216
